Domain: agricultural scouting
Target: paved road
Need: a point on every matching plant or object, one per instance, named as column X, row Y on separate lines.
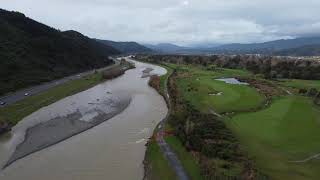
column 165, row 148
column 20, row 95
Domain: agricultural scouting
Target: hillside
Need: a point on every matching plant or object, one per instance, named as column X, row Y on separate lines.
column 127, row 47
column 31, row 52
column 166, row 48
column 309, row 50
column 267, row 47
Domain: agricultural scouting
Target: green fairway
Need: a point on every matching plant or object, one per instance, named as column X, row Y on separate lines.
column 287, row 131
column 301, row 84
column 201, row 90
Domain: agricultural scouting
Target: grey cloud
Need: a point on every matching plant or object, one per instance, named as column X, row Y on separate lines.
column 177, row 21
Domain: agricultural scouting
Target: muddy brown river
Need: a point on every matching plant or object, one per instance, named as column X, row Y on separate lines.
column 113, row 149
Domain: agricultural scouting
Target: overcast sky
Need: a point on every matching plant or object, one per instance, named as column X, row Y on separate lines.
column 183, row 22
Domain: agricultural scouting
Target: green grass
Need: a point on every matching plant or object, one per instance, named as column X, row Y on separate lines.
column 301, row 84
column 157, row 164
column 289, row 130
column 216, row 73
column 17, row 111
column 187, row 160
column 197, row 87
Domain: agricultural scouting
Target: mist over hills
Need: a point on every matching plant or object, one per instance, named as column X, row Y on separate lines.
column 31, row 52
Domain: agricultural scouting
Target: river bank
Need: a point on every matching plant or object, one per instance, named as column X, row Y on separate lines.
column 11, row 114
column 104, row 151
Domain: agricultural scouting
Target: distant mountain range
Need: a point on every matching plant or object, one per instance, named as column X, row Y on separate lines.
column 31, row 52
column 308, row 46
column 271, row 47
column 166, row 48
column 308, row 50
column 127, row 47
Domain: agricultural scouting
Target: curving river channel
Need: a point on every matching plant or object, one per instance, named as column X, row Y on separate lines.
column 112, row 149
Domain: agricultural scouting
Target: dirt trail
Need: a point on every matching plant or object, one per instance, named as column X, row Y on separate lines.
column 316, row 156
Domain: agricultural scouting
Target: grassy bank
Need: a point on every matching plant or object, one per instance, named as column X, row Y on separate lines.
column 286, row 131
column 13, row 113
column 187, row 160
column 156, row 165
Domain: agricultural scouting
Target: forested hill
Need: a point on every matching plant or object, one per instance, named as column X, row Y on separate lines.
column 127, row 47
column 272, row 47
column 309, row 50
column 31, row 52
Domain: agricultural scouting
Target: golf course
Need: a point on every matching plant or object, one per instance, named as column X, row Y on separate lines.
column 277, row 133
column 283, row 137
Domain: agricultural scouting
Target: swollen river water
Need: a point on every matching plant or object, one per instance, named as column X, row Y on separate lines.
column 111, row 150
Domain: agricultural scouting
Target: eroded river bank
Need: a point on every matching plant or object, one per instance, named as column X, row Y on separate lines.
column 114, row 149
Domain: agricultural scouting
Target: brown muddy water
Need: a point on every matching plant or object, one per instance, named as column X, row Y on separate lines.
column 114, row 149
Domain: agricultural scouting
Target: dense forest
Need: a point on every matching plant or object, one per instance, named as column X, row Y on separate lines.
column 266, row 66
column 31, row 52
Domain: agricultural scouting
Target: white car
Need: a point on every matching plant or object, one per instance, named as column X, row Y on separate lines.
column 26, row 94
column 2, row 103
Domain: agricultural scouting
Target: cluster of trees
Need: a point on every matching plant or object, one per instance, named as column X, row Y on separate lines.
column 155, row 82
column 31, row 52
column 313, row 93
column 268, row 66
column 118, row 70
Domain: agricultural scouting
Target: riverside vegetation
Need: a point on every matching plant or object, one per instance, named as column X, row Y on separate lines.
column 266, row 130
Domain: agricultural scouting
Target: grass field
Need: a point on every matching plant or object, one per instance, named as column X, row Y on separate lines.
column 199, row 84
column 301, row 84
column 286, row 131
column 233, row 98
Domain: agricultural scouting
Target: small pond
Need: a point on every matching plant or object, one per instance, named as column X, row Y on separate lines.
column 232, row 81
